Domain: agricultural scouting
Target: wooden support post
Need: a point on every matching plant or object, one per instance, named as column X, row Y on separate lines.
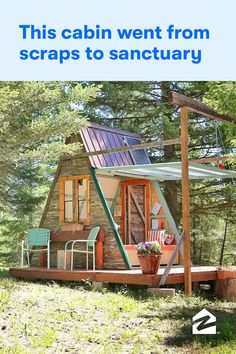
column 147, row 210
column 129, row 214
column 99, row 250
column 185, row 201
column 42, row 259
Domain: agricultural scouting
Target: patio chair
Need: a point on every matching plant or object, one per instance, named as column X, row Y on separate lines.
column 89, row 249
column 37, row 237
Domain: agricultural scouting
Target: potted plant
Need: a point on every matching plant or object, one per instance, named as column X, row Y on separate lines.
column 149, row 255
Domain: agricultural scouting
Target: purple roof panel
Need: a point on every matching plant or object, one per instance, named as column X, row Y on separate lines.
column 110, row 145
column 98, row 137
column 103, row 145
column 89, row 146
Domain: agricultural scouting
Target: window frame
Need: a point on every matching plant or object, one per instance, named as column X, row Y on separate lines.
column 61, row 208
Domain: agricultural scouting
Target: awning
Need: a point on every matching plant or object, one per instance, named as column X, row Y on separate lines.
column 166, row 171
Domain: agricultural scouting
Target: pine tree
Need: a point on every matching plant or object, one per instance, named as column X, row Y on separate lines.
column 35, row 119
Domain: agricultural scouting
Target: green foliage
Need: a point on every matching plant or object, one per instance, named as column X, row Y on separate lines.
column 35, row 120
column 221, row 96
column 36, row 117
column 22, row 202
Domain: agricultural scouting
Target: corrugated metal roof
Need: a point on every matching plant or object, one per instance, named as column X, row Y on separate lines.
column 98, row 137
column 167, row 171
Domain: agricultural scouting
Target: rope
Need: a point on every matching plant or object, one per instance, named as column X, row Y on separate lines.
column 219, row 138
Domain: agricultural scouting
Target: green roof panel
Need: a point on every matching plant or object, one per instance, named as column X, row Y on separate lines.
column 167, row 171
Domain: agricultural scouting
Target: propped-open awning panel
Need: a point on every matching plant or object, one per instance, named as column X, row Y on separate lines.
column 166, row 171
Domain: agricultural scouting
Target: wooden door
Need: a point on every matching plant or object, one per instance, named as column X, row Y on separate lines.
column 135, row 211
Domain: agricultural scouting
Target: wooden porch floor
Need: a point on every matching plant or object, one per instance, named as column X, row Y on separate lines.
column 176, row 276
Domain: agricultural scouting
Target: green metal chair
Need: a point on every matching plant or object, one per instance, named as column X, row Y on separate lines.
column 37, row 237
column 90, row 247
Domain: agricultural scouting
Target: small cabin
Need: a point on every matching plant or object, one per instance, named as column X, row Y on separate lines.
column 135, row 201
column 111, row 183
column 118, row 191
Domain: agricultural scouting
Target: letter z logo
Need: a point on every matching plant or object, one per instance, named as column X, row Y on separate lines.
column 204, row 322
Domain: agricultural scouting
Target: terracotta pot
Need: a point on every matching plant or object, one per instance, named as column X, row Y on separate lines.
column 149, row 262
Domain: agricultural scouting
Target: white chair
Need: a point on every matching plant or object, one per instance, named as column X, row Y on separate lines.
column 37, row 237
column 89, row 247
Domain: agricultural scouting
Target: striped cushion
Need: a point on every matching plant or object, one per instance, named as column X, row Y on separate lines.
column 158, row 236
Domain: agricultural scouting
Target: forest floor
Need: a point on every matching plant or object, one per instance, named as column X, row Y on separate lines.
column 49, row 317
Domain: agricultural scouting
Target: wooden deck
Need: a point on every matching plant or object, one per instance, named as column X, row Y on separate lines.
column 176, row 276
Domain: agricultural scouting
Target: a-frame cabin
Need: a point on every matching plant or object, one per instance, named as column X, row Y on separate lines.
column 84, row 194
column 111, row 183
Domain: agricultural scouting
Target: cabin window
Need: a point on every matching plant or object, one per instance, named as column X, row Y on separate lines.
column 74, row 199
column 68, row 201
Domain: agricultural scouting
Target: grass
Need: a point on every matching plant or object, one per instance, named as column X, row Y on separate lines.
column 70, row 318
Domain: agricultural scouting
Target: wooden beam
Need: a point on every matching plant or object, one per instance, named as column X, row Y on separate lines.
column 158, row 144
column 147, row 209
column 212, row 159
column 135, row 181
column 198, row 107
column 185, row 201
column 129, row 214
